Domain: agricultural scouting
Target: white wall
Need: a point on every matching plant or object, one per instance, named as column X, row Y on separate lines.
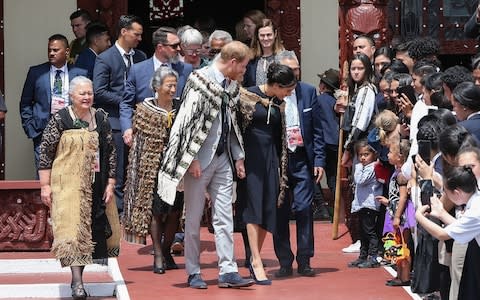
column 319, row 38
column 28, row 24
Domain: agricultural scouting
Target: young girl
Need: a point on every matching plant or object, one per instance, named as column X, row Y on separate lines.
column 400, row 215
column 367, row 188
column 461, row 187
column 358, row 116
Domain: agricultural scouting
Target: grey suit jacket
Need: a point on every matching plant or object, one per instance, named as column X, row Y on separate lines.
column 209, row 147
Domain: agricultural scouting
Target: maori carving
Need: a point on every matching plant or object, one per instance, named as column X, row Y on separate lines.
column 24, row 221
column 362, row 17
column 285, row 14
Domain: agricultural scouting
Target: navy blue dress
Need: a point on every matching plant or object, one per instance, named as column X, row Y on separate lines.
column 257, row 194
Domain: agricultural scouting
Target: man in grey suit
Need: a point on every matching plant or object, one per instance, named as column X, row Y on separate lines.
column 109, row 75
column 137, row 86
column 204, row 147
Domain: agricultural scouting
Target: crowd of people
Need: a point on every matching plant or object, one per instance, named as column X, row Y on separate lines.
column 158, row 140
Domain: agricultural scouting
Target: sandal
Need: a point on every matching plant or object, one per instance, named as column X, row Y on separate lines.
column 397, row 282
column 78, row 292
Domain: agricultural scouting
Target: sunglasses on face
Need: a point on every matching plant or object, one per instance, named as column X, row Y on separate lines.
column 214, row 51
column 173, row 46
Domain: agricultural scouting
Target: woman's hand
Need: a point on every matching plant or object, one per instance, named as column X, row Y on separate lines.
column 423, row 169
column 436, row 207
column 46, row 195
column 109, row 192
column 406, row 105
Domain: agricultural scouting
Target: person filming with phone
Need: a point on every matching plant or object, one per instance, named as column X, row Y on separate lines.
column 461, row 187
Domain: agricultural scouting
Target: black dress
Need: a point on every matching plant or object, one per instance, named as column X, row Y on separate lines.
column 258, row 192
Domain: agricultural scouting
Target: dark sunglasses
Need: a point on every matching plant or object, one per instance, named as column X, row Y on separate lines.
column 173, row 46
column 214, row 51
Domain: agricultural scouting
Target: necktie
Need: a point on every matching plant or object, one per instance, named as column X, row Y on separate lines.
column 129, row 62
column 222, row 143
column 57, row 83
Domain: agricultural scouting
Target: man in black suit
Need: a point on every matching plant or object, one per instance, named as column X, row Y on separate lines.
column 46, row 90
column 109, row 75
column 306, row 160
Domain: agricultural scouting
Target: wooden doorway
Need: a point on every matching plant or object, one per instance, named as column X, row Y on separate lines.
column 286, row 14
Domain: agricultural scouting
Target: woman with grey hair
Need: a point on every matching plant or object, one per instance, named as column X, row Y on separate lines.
column 191, row 42
column 216, row 41
column 143, row 209
column 77, row 179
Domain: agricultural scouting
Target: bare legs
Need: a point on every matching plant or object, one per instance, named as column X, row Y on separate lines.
column 256, row 237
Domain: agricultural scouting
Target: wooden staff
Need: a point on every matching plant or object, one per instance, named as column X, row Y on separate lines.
column 338, row 180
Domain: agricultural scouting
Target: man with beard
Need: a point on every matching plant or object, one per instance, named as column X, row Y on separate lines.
column 109, row 75
column 205, row 149
column 137, row 86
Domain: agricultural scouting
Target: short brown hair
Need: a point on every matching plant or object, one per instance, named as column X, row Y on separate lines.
column 235, row 50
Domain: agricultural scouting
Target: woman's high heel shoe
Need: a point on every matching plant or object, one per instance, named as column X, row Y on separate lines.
column 78, row 292
column 259, row 282
column 158, row 269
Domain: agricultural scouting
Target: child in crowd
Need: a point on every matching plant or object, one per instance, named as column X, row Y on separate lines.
column 400, row 215
column 367, row 188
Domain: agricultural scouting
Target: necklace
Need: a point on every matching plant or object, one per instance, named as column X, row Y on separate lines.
column 79, row 123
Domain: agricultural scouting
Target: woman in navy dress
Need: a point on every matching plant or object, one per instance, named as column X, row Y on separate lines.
column 265, row 154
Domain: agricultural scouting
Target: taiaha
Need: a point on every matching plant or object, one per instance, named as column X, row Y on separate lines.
column 338, row 188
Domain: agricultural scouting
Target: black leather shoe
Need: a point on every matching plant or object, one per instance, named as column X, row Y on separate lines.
column 170, row 263
column 284, row 272
column 306, row 271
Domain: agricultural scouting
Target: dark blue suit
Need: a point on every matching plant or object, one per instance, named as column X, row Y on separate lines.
column 36, row 101
column 301, row 182
column 109, row 75
column 137, row 87
column 330, row 127
column 472, row 125
column 250, row 77
column 86, row 60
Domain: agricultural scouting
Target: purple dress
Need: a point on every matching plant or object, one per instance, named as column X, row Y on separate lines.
column 407, row 219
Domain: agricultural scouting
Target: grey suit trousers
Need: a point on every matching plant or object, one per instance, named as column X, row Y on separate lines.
column 217, row 180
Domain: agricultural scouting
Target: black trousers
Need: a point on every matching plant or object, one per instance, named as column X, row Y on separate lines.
column 368, row 233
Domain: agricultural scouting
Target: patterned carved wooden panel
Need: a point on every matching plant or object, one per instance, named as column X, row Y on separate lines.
column 106, row 11
column 2, row 90
column 441, row 20
column 23, row 217
column 286, row 16
column 362, row 17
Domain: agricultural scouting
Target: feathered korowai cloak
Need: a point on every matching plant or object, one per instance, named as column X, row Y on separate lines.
column 247, row 103
column 202, row 98
column 150, row 134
